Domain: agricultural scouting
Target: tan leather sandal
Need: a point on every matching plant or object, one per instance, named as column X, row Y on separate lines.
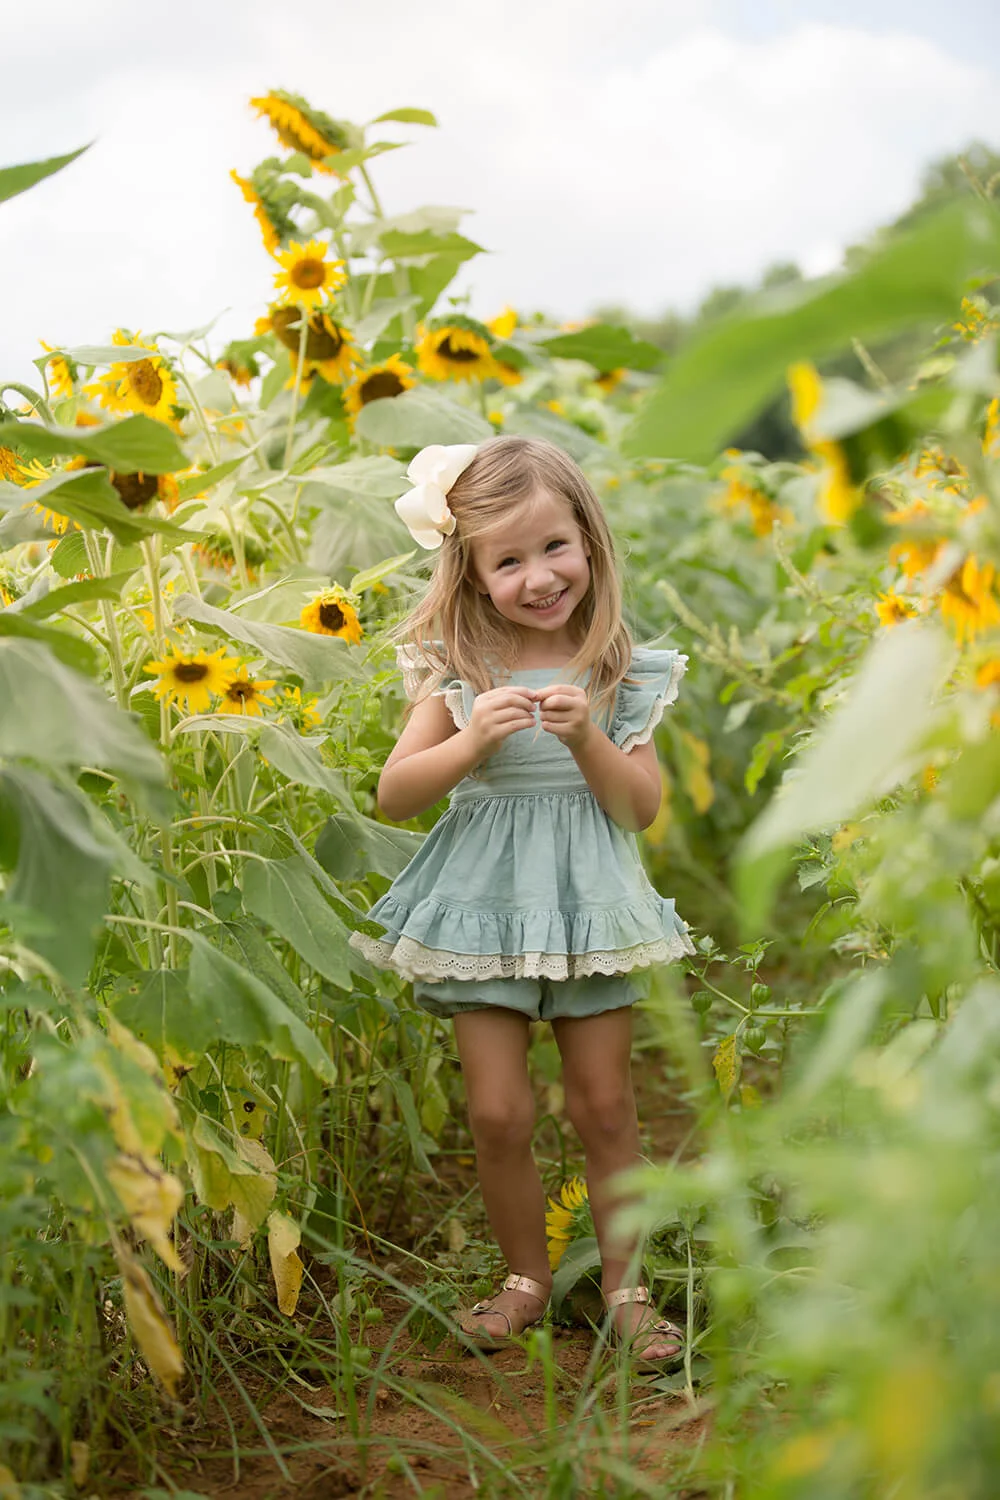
column 483, row 1340
column 642, row 1334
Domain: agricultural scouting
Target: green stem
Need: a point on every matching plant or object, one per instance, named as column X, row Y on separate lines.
column 110, row 623
column 303, row 333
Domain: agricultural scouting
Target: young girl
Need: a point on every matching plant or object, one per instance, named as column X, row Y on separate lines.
column 528, row 901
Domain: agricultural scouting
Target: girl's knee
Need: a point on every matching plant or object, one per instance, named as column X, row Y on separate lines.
column 602, row 1114
column 502, row 1123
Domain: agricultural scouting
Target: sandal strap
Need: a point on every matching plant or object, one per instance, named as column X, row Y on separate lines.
column 526, row 1284
column 627, row 1294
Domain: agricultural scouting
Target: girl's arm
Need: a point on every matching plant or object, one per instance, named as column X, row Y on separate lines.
column 627, row 785
column 431, row 756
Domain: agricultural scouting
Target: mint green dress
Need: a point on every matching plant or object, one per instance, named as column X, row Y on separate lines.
column 525, row 876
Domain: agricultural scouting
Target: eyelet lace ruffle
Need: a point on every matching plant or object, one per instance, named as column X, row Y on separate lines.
column 415, row 962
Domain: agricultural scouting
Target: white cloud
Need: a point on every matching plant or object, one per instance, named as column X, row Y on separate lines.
column 633, row 153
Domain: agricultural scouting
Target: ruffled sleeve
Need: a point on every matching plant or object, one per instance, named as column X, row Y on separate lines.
column 652, row 683
column 421, row 680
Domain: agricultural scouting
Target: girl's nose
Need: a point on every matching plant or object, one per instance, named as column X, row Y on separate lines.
column 538, row 577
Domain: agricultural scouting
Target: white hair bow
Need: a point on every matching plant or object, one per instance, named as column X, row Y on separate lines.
column 424, row 510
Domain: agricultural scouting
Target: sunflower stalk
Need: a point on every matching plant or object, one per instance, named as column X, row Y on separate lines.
column 114, row 645
column 290, row 437
column 239, row 551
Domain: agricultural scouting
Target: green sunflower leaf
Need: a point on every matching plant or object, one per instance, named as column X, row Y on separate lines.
column 14, row 180
column 419, row 417
column 53, row 715
column 350, row 846
column 403, row 246
column 715, row 385
column 317, row 659
column 134, row 445
column 230, row 1004
column 61, row 869
column 378, row 476
column 606, row 347
column 82, row 592
column 406, row 117
column 71, row 651
column 283, row 894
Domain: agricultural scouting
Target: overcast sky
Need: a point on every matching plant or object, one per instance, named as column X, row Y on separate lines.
column 638, row 151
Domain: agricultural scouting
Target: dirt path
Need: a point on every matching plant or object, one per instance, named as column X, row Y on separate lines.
column 441, row 1422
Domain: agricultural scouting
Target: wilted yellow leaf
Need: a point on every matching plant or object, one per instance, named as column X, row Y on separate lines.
column 241, row 1175
column 9, row 1487
column 697, row 782
column 727, row 1064
column 283, row 1240
column 151, row 1197
column 149, row 1324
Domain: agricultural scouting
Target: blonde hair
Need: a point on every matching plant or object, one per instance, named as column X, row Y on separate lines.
column 456, row 630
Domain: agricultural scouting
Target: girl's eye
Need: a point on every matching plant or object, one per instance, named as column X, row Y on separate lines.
column 555, row 544
column 506, row 561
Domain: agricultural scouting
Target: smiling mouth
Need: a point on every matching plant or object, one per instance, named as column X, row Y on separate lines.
column 549, row 602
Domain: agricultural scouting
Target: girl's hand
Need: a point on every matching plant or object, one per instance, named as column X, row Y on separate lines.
column 498, row 713
column 565, row 712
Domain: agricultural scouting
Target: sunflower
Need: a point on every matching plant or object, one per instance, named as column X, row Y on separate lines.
column 302, row 128
column 137, row 490
column 893, row 608
column 61, row 372
column 244, row 694
column 976, row 319
column 568, row 1218
column 10, row 465
column 740, row 491
column 988, row 675
column 308, row 277
column 333, row 611
column 969, row 603
column 838, row 498
column 455, row 348
column 609, row 380
column 391, row 378
column 302, row 711
column 991, row 432
column 915, row 554
column 142, row 385
column 506, row 373
column 329, row 350
column 504, row 324
column 239, row 360
column 275, row 225
column 190, row 678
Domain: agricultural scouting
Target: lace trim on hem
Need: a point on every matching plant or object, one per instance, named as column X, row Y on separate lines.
column 414, row 961
column 669, row 695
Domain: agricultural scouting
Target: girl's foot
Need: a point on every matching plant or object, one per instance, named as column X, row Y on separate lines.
column 650, row 1339
column 521, row 1302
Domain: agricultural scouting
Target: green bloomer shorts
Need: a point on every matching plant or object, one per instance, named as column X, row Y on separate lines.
column 538, row 999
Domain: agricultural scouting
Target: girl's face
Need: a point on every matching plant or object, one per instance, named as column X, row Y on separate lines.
column 535, row 566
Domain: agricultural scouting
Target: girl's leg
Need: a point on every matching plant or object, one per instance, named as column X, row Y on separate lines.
column 493, row 1049
column 596, row 1053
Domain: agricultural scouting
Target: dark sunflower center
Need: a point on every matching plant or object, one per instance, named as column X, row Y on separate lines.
column 309, row 273
column 146, row 381
column 382, row 383
column 324, row 339
column 240, row 690
column 331, row 616
column 458, row 356
column 136, row 490
column 190, row 671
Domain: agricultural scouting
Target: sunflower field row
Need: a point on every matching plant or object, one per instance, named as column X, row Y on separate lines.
column 214, row 1111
